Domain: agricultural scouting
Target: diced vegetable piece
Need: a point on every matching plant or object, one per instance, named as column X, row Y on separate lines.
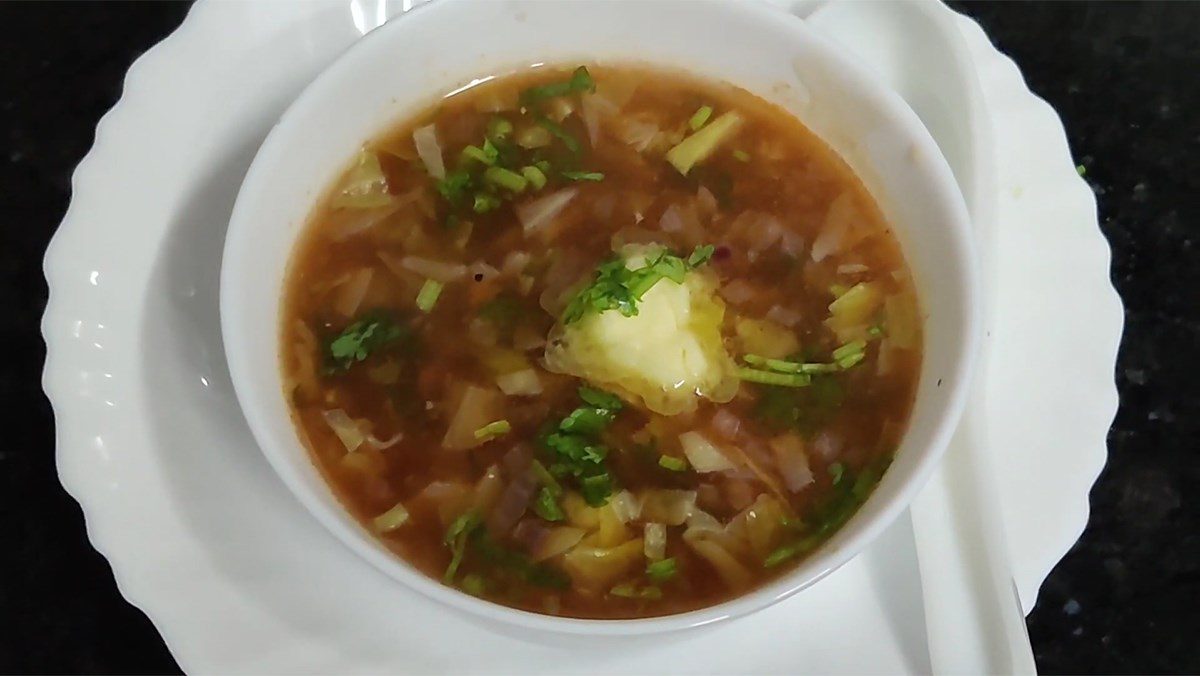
column 765, row 338
column 903, row 322
column 390, row 520
column 700, row 145
column 483, row 203
column 429, row 149
column 436, row 270
column 630, row 591
column 672, row 463
column 541, row 212
column 505, row 178
column 596, row 568
column 545, row 505
column 581, row 81
column 661, row 571
column 579, row 513
column 792, row 461
column 477, row 407
column 704, row 455
column 350, row 294
column 731, row 571
column 535, row 177
column 856, row 306
column 654, row 537
column 473, row 584
column 498, row 129
column 559, row 540
column 593, row 176
column 626, row 506
column 775, row 378
column 427, row 297
column 668, row 506
column 612, row 531
column 741, row 156
column 346, row 429
column 523, row 383
column 492, row 430
column 698, row 118
column 365, row 186
column 488, row 489
column 533, row 137
column 556, row 130
column 850, row 354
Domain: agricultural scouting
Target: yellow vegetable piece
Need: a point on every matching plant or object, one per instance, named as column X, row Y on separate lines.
column 765, row 338
column 702, row 144
column 594, row 569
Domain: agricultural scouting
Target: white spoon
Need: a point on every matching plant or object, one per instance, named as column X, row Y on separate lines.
column 973, row 616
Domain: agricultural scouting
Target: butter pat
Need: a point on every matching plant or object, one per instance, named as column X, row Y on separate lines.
column 666, row 356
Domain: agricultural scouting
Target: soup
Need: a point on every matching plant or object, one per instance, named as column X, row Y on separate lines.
column 601, row 343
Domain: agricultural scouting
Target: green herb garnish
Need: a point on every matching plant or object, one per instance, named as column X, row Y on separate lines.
column 427, row 297
column 774, row 378
column 593, row 176
column 473, row 584
column 505, row 178
column 559, row 132
column 493, row 429
column 836, row 471
column 359, row 340
column 535, row 176
column 699, row 117
column 661, row 571
column 545, row 505
column 616, row 287
column 455, row 187
column 575, row 448
column 672, row 463
column 581, row 81
column 456, row 539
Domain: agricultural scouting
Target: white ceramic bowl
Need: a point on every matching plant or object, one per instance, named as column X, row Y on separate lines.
column 404, row 66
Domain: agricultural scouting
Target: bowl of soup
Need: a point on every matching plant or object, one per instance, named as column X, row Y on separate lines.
column 586, row 317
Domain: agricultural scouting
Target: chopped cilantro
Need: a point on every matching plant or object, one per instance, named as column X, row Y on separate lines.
column 616, row 287
column 575, row 447
column 456, row 539
column 359, row 340
column 600, row 398
column 537, row 574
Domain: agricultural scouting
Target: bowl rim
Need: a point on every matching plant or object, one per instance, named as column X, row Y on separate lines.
column 832, row 557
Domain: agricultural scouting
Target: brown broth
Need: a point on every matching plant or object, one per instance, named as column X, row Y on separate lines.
column 850, row 421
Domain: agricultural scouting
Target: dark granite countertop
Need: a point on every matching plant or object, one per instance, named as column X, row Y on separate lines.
column 1124, row 78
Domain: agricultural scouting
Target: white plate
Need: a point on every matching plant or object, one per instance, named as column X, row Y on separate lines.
column 203, row 537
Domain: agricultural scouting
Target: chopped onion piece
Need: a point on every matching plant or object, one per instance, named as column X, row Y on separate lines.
column 783, row 316
column 381, row 444
column 520, row 383
column 481, row 271
column 792, row 461
column 391, row 519
column 726, row 424
column 430, row 150
column 666, row 505
column 351, row 293
column 702, row 522
column 435, row 270
column 703, row 455
column 515, row 263
column 539, row 213
column 477, row 407
column 827, row 445
column 345, row 428
column 729, row 568
column 654, row 541
column 851, row 268
column 626, row 506
column 738, row 291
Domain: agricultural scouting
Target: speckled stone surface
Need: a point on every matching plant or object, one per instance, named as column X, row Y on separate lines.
column 1124, row 77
